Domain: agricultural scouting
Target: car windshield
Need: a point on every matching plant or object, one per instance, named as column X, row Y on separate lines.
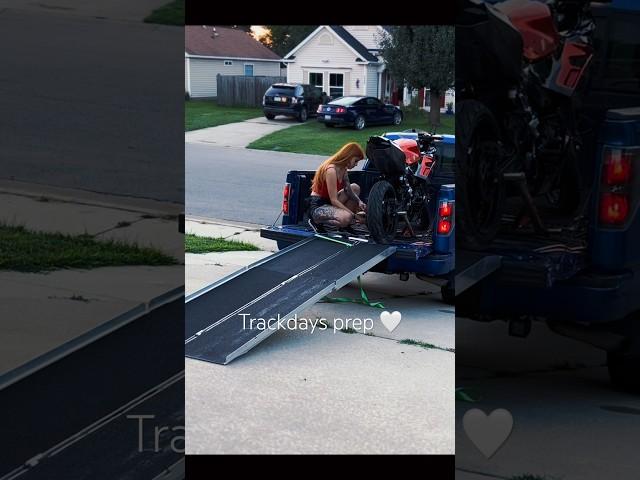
column 345, row 101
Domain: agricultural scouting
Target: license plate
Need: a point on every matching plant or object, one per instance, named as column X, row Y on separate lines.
column 278, row 99
column 327, row 117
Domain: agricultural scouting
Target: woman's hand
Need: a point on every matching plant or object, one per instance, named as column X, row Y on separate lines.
column 362, row 206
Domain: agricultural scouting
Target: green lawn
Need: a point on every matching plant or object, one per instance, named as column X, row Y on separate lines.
column 313, row 137
column 27, row 251
column 202, row 114
column 194, row 244
column 170, row 14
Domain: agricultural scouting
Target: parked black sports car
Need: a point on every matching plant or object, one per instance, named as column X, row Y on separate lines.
column 358, row 112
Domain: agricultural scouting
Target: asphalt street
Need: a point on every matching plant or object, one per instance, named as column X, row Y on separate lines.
column 237, row 183
column 89, row 101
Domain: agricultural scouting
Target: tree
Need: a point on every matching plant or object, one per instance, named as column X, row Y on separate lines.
column 422, row 56
column 284, row 38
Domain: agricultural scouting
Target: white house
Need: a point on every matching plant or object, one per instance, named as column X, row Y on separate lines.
column 343, row 60
column 212, row 50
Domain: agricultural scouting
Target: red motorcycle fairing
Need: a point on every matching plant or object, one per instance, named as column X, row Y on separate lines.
column 535, row 23
column 412, row 155
column 567, row 71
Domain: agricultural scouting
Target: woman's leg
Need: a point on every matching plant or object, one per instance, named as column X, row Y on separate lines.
column 331, row 216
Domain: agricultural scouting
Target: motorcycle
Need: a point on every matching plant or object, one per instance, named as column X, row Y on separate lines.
column 519, row 73
column 403, row 190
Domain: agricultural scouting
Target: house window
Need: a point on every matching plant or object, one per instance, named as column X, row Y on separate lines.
column 336, row 85
column 315, row 79
column 248, row 70
column 228, row 63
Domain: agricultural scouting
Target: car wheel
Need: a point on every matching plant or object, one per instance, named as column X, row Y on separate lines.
column 270, row 116
column 302, row 116
column 329, row 125
column 359, row 123
column 397, row 118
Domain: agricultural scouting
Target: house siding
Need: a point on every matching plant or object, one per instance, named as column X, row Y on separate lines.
column 372, row 82
column 341, row 59
column 203, row 73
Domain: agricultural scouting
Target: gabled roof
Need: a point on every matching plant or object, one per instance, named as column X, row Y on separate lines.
column 357, row 47
column 216, row 41
column 353, row 43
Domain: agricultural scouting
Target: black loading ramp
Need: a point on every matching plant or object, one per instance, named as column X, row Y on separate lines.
column 218, row 316
column 471, row 267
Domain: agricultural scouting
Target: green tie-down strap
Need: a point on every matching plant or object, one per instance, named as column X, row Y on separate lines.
column 363, row 299
column 464, row 396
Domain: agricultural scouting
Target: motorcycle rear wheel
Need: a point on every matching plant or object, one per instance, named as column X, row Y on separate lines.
column 382, row 207
column 479, row 184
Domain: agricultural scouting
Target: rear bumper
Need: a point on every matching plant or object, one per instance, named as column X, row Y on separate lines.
column 586, row 299
column 405, row 259
column 272, row 110
column 335, row 120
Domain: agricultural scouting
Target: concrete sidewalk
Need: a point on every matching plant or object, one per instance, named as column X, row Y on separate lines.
column 41, row 311
column 327, row 391
column 239, row 134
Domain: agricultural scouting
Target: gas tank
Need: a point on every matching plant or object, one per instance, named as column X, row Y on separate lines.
column 535, row 23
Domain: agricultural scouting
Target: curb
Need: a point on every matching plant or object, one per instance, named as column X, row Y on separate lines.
column 86, row 197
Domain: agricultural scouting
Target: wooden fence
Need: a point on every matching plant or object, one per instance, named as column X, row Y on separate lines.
column 241, row 91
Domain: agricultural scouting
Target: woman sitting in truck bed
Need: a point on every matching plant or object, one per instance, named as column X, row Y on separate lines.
column 334, row 201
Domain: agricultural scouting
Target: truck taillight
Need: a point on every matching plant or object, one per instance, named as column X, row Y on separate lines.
column 445, row 218
column 614, row 208
column 617, row 180
column 444, row 227
column 445, row 209
column 285, row 198
column 617, row 166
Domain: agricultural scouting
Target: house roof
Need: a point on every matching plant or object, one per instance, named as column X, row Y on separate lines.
column 216, row 41
column 346, row 37
column 353, row 43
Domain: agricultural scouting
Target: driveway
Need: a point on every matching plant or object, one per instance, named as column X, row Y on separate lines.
column 239, row 134
column 328, row 391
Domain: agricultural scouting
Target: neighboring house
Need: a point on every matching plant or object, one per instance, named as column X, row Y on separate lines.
column 343, row 60
column 212, row 50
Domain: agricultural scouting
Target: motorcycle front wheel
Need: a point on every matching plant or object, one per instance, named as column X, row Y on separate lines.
column 382, row 207
column 479, row 183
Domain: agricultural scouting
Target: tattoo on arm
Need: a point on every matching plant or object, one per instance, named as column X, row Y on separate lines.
column 347, row 188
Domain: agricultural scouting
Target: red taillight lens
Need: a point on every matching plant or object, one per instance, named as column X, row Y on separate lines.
column 445, row 209
column 341, row 110
column 285, row 198
column 444, row 227
column 617, row 167
column 614, row 208
column 445, row 214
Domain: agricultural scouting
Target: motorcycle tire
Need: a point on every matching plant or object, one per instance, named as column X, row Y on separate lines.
column 479, row 186
column 382, row 206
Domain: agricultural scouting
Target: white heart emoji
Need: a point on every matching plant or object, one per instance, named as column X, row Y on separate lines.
column 390, row 320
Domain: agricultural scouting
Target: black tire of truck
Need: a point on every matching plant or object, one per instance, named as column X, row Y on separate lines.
column 382, row 220
column 448, row 292
column 623, row 370
column 480, row 194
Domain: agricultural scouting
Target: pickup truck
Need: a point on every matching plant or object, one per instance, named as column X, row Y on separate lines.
column 433, row 256
column 583, row 279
